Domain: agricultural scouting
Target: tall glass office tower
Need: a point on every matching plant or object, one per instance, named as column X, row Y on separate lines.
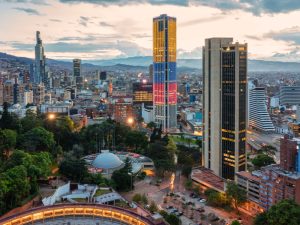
column 164, row 70
column 224, row 106
column 40, row 60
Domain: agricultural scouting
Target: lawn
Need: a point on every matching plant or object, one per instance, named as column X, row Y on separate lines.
column 101, row 192
column 178, row 139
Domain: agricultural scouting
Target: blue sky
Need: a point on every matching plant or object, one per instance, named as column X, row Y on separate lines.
column 104, row 29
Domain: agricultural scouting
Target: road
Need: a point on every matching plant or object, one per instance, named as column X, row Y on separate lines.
column 257, row 140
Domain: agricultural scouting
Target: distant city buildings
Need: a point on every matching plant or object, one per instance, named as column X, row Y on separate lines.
column 40, row 61
column 274, row 183
column 289, row 95
column 258, row 114
column 142, row 93
column 103, row 75
column 164, row 72
column 224, row 106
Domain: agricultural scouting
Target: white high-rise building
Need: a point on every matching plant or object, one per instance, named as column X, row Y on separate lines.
column 258, row 116
column 28, row 97
column 224, row 106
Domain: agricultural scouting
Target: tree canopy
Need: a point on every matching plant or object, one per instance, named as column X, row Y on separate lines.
column 284, row 212
column 262, row 160
column 37, row 139
column 237, row 195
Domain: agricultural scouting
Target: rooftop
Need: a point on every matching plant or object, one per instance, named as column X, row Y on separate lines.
column 208, row 178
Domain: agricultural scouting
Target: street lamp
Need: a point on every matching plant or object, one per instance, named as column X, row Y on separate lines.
column 51, row 116
column 130, row 120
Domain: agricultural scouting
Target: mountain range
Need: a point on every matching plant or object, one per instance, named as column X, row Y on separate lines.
column 141, row 63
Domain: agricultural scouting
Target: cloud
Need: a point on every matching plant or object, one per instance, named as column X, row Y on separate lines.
column 35, row 2
column 55, row 20
column 83, row 21
column 125, row 48
column 257, row 7
column 291, row 34
column 195, row 53
column 252, row 37
column 202, row 20
column 105, row 24
column 129, row 2
column 292, row 55
column 29, row 11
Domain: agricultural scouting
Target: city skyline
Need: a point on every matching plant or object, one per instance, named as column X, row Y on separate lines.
column 92, row 31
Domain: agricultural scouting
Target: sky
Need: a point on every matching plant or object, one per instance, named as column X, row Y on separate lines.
column 106, row 29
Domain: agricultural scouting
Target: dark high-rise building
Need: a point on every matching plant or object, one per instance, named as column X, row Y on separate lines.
column 164, row 72
column 31, row 71
column 40, row 60
column 103, row 75
column 77, row 73
column 16, row 91
column 76, row 67
column 142, row 93
column 224, row 106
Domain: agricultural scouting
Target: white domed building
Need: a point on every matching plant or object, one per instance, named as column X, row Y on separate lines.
column 105, row 163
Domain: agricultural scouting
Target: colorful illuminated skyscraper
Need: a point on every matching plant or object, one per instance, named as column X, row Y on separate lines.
column 164, row 70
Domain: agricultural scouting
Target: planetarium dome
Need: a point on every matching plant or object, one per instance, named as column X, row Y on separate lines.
column 108, row 162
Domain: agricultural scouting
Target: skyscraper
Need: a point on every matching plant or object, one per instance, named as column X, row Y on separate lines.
column 224, row 106
column 164, row 69
column 258, row 116
column 77, row 73
column 40, row 60
column 76, row 67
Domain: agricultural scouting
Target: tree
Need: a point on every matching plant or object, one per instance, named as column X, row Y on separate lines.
column 262, row 160
column 9, row 120
column 137, row 198
column 8, row 140
column 151, row 125
column 186, row 170
column 171, row 146
column 236, row 194
column 261, row 219
column 267, row 149
column 235, row 222
column 37, row 139
column 30, row 121
column 77, row 151
column 144, row 199
column 285, row 212
column 74, row 169
column 122, row 180
column 153, row 207
column 18, row 185
column 136, row 139
column 163, row 159
column 173, row 219
column 189, row 184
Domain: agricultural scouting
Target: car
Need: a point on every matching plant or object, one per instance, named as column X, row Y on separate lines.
column 215, row 219
column 169, row 207
column 200, row 210
column 174, row 210
column 199, row 199
column 202, row 201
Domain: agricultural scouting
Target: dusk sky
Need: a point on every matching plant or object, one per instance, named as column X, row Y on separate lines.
column 104, row 29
